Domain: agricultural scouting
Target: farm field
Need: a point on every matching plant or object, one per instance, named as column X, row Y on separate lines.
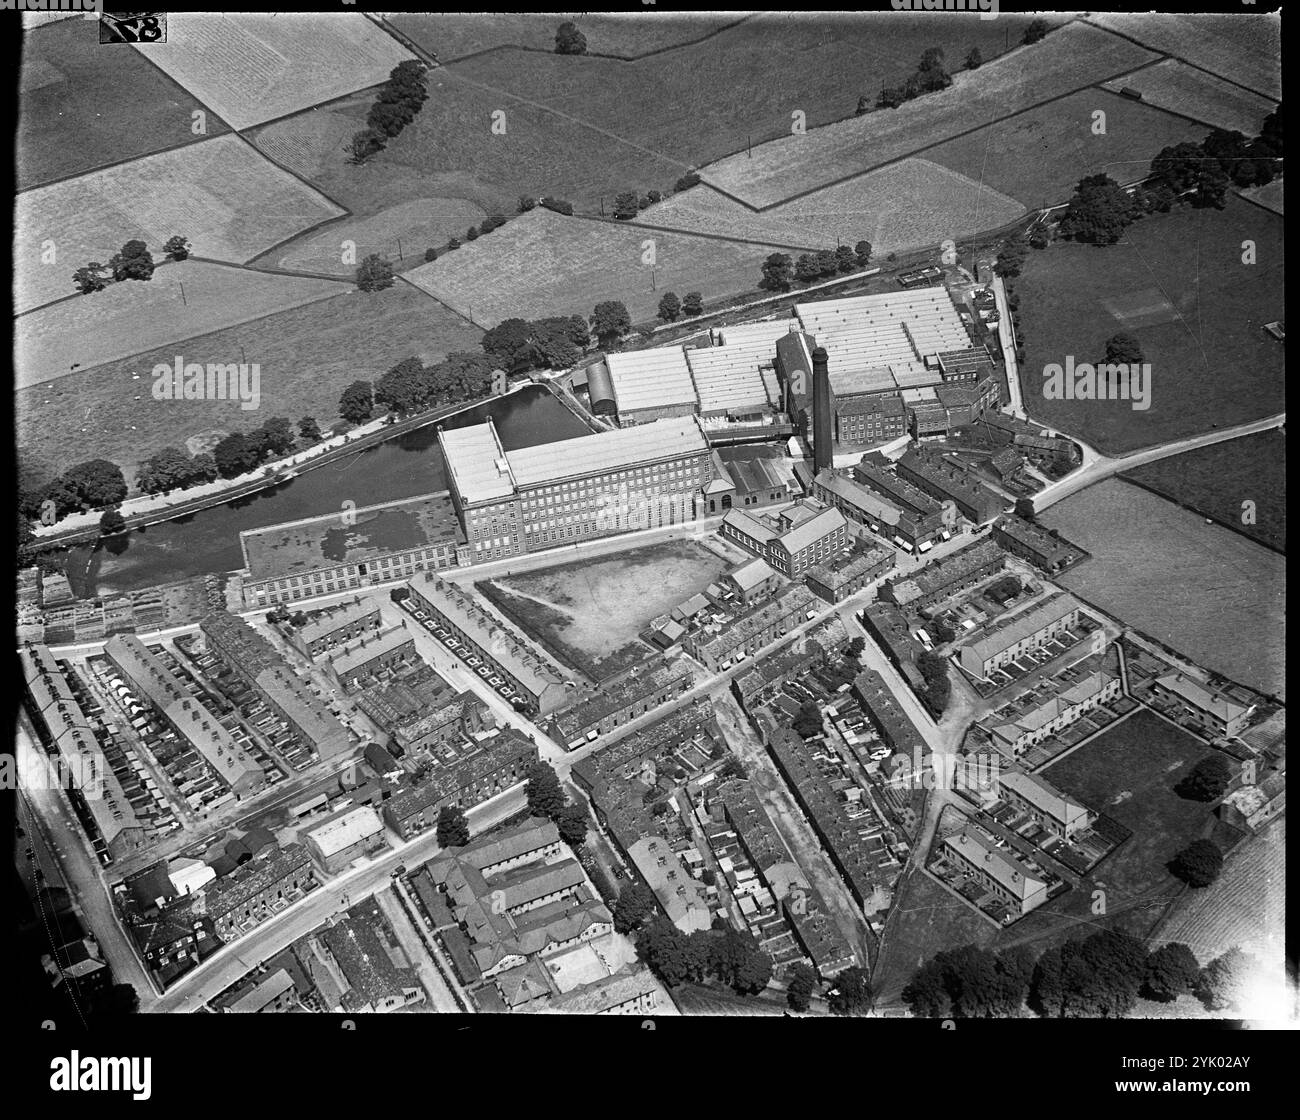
column 1269, row 196
column 132, row 316
column 1128, row 773
column 1246, row 907
column 1215, row 480
column 1039, row 156
column 1202, row 590
column 586, row 612
column 543, row 263
column 251, row 68
column 1244, row 48
column 902, row 206
column 83, row 107
column 1183, row 89
column 1200, row 327
column 401, row 233
column 222, row 194
column 1070, row 58
column 307, row 355
column 587, row 128
column 452, row 36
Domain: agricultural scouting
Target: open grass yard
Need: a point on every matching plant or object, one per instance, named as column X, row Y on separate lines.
column 182, row 300
column 1246, row 907
column 83, row 106
column 307, row 355
column 903, row 206
column 453, row 35
column 222, row 194
column 1268, row 196
column 1178, row 283
column 400, row 233
column 1216, row 480
column 924, row 919
column 1245, row 48
column 543, row 263
column 1183, row 89
column 1128, row 773
column 1039, row 156
column 1068, row 59
column 589, row 611
column 251, row 68
column 1200, row 589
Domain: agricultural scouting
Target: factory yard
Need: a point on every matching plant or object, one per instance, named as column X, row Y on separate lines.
column 1208, row 593
column 589, row 613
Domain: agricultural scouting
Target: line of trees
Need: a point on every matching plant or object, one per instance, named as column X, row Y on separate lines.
column 552, row 343
column 410, row 386
column 396, row 105
column 132, row 262
column 671, row 308
column 780, row 271
column 1099, row 976
column 725, row 955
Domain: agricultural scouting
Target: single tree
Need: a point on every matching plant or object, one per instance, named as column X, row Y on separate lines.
column 133, row 262
column 808, row 722
column 164, row 470
column 309, row 429
column 1035, row 31
column 111, row 523
column 357, row 402
column 375, row 273
column 453, row 243
column 1172, row 971
column 670, row 307
column 525, row 203
column 177, row 248
column 610, row 322
column 862, row 250
column 471, row 234
column 634, row 907
column 1124, row 347
column 364, row 144
column 778, row 273
column 1198, row 864
column 430, row 254
column 453, row 827
column 1224, row 982
column 235, row 455
column 692, row 304
column 828, row 263
column 799, row 988
column 90, row 278
column 573, row 823
column 733, row 768
column 690, row 179
column 974, row 58
column 852, row 992
column 545, row 797
column 926, row 993
column 569, row 40
column 1208, row 780
column 864, row 106
column 807, row 268
column 1098, row 212
column 625, row 205
column 95, row 483
column 846, row 259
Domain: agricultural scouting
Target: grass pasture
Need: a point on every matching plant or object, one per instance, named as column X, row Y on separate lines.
column 307, row 355
column 83, row 107
column 1183, row 89
column 1269, row 196
column 587, row 612
column 401, row 233
column 1177, row 282
column 1128, row 773
column 1216, row 480
column 127, row 318
column 450, row 36
column 543, row 263
column 902, row 206
column 222, row 194
column 1039, row 156
column 251, row 68
column 1247, row 48
column 1070, row 58
column 1202, row 590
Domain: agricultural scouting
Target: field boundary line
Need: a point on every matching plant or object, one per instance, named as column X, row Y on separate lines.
column 1200, row 512
column 634, row 224
column 401, row 35
column 310, row 108
column 1256, row 202
column 441, row 303
column 123, row 162
column 1176, row 58
column 279, row 272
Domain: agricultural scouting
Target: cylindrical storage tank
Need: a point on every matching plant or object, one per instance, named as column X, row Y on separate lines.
column 600, row 390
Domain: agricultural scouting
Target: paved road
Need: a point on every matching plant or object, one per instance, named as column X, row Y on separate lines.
column 440, row 995
column 232, row 961
column 1098, row 467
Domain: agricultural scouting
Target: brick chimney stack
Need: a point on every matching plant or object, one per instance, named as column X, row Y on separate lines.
column 823, row 457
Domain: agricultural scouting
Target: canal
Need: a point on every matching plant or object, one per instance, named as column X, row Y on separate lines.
column 207, row 542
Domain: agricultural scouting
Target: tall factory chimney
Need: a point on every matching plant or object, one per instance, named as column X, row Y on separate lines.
column 823, row 457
